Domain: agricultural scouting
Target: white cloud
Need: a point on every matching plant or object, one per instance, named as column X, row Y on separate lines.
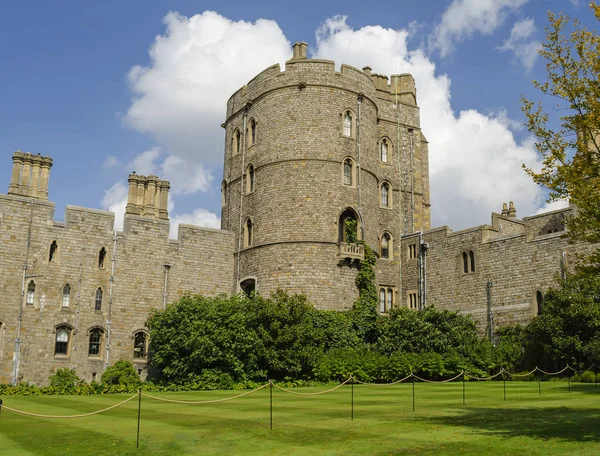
column 521, row 44
column 115, row 200
column 111, row 162
column 553, row 206
column 475, row 161
column 200, row 217
column 145, row 163
column 464, row 18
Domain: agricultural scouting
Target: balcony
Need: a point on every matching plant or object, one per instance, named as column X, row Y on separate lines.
column 351, row 251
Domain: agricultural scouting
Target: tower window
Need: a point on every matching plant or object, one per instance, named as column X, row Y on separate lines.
column 98, row 305
column 390, row 298
column 251, row 133
column 101, row 257
column 348, row 172
column 383, row 150
column 95, row 342
column 412, row 301
column 468, row 262
column 30, row 293
column 472, row 258
column 348, row 227
column 236, row 142
column 385, row 246
column 382, row 300
column 385, row 195
column 539, row 300
column 348, row 124
column 61, row 344
column 53, row 249
column 249, row 179
column 248, row 286
column 412, row 251
column 223, row 193
column 465, row 263
column 66, row 296
column 140, row 344
column 248, row 233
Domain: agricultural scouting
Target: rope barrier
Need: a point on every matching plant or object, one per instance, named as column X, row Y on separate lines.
column 485, row 378
column 384, row 384
column 554, row 373
column 312, row 394
column 4, row 407
column 214, row 401
column 582, row 371
column 522, row 375
column 437, row 381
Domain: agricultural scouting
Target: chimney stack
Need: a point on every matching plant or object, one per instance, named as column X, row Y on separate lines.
column 504, row 209
column 148, row 196
column 300, row 49
column 30, row 175
column 512, row 212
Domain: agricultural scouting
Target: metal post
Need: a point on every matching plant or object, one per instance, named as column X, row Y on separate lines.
column 271, row 404
column 596, row 377
column 540, row 384
column 137, row 441
column 463, row 386
column 569, row 384
column 413, row 388
column 504, row 378
column 352, row 407
column 0, row 405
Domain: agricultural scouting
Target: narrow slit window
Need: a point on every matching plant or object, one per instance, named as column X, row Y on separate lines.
column 472, row 258
column 385, row 246
column 66, row 296
column 385, row 195
column 53, row 249
column 348, row 172
column 248, row 238
column 99, row 294
column 382, row 300
column 253, row 132
column 30, row 293
column 390, row 299
column 348, row 124
column 101, row 258
column 384, row 151
column 465, row 263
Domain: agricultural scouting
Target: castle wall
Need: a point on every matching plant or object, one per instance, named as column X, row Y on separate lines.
column 200, row 261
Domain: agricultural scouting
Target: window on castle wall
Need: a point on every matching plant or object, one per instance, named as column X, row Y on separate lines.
column 385, row 195
column 412, row 301
column 251, row 134
column 140, row 344
column 382, row 300
column 101, row 258
column 249, row 179
column 390, row 299
column 412, row 251
column 61, row 343
column 472, row 258
column 383, row 151
column 95, row 342
column 223, row 193
column 468, row 262
column 236, row 142
column 348, row 171
column 99, row 294
column 347, row 124
column 539, row 301
column 53, row 249
column 30, row 293
column 348, row 230
column 248, row 233
column 248, row 286
column 66, row 296
column 465, row 262
column 385, row 246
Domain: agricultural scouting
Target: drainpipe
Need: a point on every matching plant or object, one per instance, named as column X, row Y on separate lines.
column 400, row 196
column 79, row 282
column 359, row 179
column 412, row 180
column 167, row 268
column 237, row 275
column 110, row 300
column 489, row 309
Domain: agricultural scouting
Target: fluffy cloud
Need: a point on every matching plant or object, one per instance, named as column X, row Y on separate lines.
column 115, row 200
column 463, row 18
column 521, row 44
column 200, row 217
column 475, row 161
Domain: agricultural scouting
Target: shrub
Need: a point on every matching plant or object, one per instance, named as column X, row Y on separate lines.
column 65, row 381
column 121, row 374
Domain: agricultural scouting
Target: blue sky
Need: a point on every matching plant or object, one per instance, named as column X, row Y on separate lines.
column 108, row 87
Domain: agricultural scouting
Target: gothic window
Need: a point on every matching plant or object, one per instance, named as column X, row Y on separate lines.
column 248, row 286
column 223, row 193
column 385, row 246
column 390, row 298
column 384, row 195
column 472, row 258
column 61, row 344
column 30, row 293
column 101, row 257
column 348, row 227
column 95, row 342
column 465, row 262
column 66, row 295
column 140, row 344
column 53, row 249
column 382, row 300
column 539, row 300
column 236, row 142
column 248, row 233
column 383, row 150
column 249, row 179
column 251, row 133
column 348, row 124
column 98, row 305
column 348, row 172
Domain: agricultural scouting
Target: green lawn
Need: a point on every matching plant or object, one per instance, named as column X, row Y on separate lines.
column 557, row 423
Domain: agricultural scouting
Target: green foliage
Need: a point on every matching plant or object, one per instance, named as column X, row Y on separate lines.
column 121, row 374
column 65, row 381
column 365, row 308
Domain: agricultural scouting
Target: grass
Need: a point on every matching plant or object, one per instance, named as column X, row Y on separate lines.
column 557, row 423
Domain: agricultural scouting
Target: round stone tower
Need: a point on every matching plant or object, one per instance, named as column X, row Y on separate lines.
column 315, row 161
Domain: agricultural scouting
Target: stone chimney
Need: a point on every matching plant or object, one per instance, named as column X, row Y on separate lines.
column 148, row 196
column 512, row 212
column 299, row 50
column 30, row 175
column 504, row 209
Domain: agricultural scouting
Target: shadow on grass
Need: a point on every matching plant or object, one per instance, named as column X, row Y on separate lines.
column 565, row 423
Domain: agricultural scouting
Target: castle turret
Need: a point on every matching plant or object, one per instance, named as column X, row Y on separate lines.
column 30, row 175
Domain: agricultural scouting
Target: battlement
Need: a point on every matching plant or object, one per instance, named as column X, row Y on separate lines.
column 30, row 175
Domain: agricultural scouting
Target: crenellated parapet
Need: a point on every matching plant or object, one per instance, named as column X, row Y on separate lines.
column 148, row 196
column 30, row 175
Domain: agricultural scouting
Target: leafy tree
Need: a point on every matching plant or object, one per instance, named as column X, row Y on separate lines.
column 571, row 151
column 122, row 373
column 65, row 381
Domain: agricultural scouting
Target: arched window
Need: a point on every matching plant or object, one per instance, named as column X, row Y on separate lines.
column 223, row 193
column 98, row 305
column 248, row 233
column 95, row 342
column 61, row 344
column 249, row 179
column 140, row 344
column 383, row 150
column 348, row 124
column 465, row 262
column 472, row 258
column 248, row 286
column 101, row 257
column 539, row 300
column 348, row 172
column 382, row 300
column 251, row 133
column 236, row 142
column 66, row 295
column 390, row 299
column 385, row 246
column 348, row 227
column 53, row 249
column 30, row 293
column 385, row 195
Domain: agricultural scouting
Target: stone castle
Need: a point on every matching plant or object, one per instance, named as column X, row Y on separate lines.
column 315, row 159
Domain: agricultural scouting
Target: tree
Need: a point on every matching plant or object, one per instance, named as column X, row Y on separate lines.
column 571, row 151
